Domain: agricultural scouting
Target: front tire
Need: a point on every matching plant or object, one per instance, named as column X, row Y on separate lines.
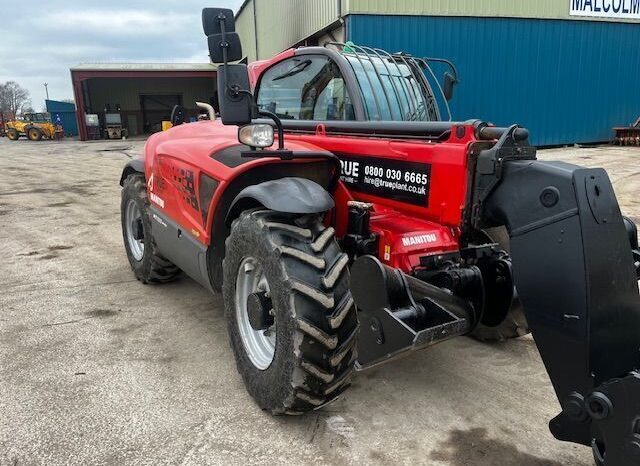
column 34, row 134
column 296, row 268
column 515, row 324
column 147, row 263
column 13, row 134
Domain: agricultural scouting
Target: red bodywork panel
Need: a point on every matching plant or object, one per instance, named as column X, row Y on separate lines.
column 407, row 231
column 418, row 187
column 175, row 159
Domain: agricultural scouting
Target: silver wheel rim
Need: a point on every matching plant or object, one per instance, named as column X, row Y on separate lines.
column 260, row 345
column 133, row 215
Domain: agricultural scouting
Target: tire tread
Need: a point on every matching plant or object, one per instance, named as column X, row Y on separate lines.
column 325, row 326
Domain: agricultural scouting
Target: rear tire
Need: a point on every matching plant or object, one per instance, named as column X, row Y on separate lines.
column 315, row 322
column 34, row 134
column 515, row 324
column 145, row 260
column 13, row 135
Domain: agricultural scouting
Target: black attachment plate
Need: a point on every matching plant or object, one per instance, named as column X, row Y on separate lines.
column 399, row 313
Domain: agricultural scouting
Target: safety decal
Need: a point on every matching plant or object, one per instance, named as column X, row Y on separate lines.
column 185, row 181
column 392, row 179
column 159, row 220
column 156, row 199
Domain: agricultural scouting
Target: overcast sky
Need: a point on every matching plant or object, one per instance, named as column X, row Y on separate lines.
column 40, row 44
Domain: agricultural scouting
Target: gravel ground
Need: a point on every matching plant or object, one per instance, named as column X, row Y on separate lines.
column 96, row 368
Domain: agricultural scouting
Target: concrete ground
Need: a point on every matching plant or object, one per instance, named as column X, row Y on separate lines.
column 96, row 368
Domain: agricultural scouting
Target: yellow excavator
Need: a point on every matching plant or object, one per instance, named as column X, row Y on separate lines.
column 35, row 126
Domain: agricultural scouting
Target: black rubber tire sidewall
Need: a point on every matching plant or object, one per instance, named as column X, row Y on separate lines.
column 316, row 337
column 515, row 324
column 132, row 192
column 249, row 241
column 35, row 131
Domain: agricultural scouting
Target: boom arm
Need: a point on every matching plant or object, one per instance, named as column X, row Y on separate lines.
column 574, row 271
column 575, row 264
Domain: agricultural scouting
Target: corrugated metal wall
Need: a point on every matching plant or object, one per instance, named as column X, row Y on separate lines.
column 245, row 27
column 282, row 23
column 549, row 9
column 66, row 112
column 567, row 81
column 126, row 91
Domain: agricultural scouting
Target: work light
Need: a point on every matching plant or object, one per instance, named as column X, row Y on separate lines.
column 256, row 135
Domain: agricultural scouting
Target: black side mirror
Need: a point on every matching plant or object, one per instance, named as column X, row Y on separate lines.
column 211, row 18
column 449, row 83
column 178, row 115
column 234, row 99
column 229, row 43
column 219, row 27
column 234, row 95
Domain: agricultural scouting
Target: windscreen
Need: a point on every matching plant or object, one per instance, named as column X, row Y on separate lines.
column 112, row 119
column 393, row 88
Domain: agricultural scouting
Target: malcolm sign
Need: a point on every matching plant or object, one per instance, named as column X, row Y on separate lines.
column 621, row 9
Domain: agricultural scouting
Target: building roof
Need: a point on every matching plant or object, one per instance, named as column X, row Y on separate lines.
column 145, row 67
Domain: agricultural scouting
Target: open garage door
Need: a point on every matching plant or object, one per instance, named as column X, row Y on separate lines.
column 157, row 108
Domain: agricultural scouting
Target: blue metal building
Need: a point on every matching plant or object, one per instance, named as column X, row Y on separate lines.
column 66, row 112
column 567, row 81
column 563, row 68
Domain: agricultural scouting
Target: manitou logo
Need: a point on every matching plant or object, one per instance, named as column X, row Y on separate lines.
column 419, row 240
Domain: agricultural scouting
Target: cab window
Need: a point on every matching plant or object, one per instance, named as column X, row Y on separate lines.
column 306, row 88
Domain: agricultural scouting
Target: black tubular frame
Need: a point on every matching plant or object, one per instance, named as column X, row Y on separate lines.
column 418, row 69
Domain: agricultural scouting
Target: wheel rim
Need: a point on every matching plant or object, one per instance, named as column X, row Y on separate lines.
column 133, row 220
column 260, row 345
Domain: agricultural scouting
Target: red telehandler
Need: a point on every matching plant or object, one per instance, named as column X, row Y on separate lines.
column 347, row 224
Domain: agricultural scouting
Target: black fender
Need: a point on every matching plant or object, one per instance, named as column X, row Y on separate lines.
column 133, row 166
column 222, row 215
column 287, row 195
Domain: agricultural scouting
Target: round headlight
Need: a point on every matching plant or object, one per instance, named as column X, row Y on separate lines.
column 256, row 135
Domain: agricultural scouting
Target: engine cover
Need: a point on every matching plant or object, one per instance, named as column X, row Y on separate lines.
column 402, row 240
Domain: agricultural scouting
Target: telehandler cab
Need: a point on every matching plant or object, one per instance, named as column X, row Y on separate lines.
column 368, row 227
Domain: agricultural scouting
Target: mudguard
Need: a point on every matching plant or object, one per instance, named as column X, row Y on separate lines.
column 575, row 274
column 133, row 166
column 287, row 195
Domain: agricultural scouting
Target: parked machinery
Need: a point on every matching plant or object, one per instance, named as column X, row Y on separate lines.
column 35, row 126
column 113, row 128
column 628, row 136
column 370, row 228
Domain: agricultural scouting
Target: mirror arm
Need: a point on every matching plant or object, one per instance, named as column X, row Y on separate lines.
column 224, row 45
column 279, row 126
column 449, row 63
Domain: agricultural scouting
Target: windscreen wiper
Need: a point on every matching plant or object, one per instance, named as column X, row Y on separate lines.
column 299, row 68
